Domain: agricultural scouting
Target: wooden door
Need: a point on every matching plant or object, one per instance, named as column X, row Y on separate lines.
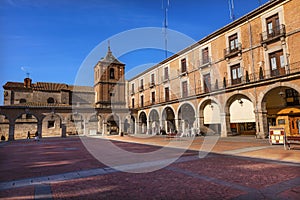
column 294, row 125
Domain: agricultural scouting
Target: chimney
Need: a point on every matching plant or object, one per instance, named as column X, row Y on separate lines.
column 27, row 83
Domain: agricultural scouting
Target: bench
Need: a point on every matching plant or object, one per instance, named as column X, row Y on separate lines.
column 291, row 140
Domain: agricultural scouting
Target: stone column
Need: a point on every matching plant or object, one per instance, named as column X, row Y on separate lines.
column 136, row 126
column 177, row 124
column 63, row 130
column 225, row 124
column 201, row 122
column 104, row 128
column 148, row 127
column 11, row 134
column 100, row 123
column 261, row 124
column 85, row 123
column 121, row 125
column 40, row 128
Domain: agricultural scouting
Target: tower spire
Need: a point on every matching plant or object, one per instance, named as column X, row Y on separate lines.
column 108, row 46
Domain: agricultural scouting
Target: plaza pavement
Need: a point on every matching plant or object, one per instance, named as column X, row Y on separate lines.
column 68, row 168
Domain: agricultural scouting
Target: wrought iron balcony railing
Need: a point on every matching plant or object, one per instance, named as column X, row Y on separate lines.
column 274, row 34
column 233, row 51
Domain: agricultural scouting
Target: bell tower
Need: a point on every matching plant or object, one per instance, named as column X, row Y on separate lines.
column 109, row 82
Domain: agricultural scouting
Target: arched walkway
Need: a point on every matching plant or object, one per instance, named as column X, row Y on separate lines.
column 154, row 122
column 168, row 120
column 4, row 128
column 279, row 107
column 113, row 124
column 92, row 125
column 24, row 123
column 241, row 114
column 210, row 117
column 143, row 123
column 77, row 124
column 186, row 117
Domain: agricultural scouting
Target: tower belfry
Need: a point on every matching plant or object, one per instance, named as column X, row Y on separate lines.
column 109, row 82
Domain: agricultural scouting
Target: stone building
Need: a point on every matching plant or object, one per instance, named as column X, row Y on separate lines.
column 45, row 108
column 236, row 80
column 56, row 109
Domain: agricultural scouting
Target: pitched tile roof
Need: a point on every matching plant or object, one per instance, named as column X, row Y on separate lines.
column 45, row 86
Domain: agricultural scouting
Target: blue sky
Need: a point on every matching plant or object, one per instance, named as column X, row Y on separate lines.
column 51, row 38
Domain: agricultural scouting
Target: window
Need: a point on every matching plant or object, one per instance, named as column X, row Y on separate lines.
column 292, row 98
column 132, row 88
column 277, row 63
column 22, row 100
column 233, row 43
column 142, row 84
column 207, row 83
column 142, row 101
column 183, row 65
column 205, row 57
column 166, row 73
column 50, row 100
column 132, row 102
column 112, row 73
column 236, row 74
column 273, row 26
column 51, row 124
column 184, row 89
column 152, row 97
column 167, row 94
column 152, row 79
column 111, row 94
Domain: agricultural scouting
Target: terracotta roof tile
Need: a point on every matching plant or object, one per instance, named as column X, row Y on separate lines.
column 45, row 86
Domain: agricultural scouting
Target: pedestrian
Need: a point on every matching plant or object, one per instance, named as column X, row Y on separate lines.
column 28, row 135
column 36, row 138
column 2, row 138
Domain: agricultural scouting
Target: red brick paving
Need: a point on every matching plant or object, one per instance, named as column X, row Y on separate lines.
column 162, row 184
column 248, row 173
column 25, row 159
column 18, row 193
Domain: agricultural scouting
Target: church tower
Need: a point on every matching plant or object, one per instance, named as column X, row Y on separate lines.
column 109, row 82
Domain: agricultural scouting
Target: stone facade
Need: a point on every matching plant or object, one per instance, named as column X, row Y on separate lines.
column 46, row 108
column 234, row 81
column 238, row 80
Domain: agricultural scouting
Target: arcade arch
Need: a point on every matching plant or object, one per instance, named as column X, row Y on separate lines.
column 280, row 107
column 154, row 122
column 113, row 124
column 25, row 122
column 186, row 117
column 168, row 120
column 4, row 126
column 210, row 116
column 143, row 123
column 92, row 125
column 241, row 114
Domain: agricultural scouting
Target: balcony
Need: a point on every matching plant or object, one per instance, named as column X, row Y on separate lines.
column 231, row 52
column 151, row 85
column 182, row 73
column 205, row 62
column 274, row 35
column 141, row 88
